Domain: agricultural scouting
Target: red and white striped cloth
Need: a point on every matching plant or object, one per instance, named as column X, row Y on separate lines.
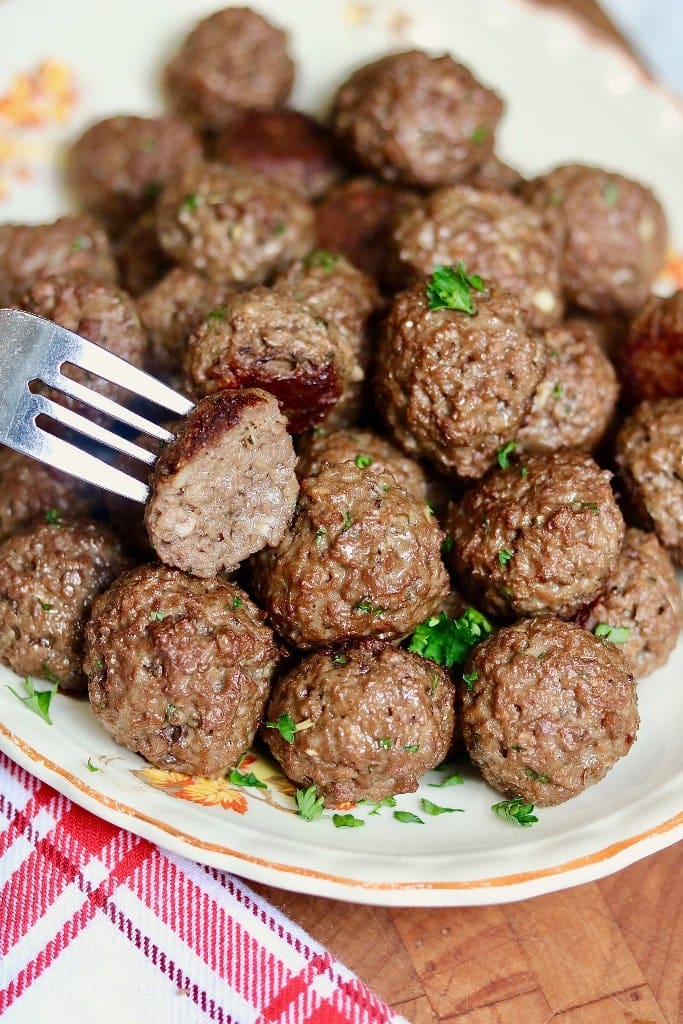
column 98, row 925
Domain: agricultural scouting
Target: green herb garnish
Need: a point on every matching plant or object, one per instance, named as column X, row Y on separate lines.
column 558, row 390
column 479, row 134
column 157, row 616
column 434, row 809
column 610, row 193
column 321, row 258
column 216, row 315
column 470, row 678
column 516, row 812
column 249, row 779
column 451, row 288
column 386, row 743
column 285, row 726
column 388, row 801
column 504, row 557
column 363, row 461
column 191, row 202
column 447, row 544
column 613, row 634
column 411, row 748
column 339, row 659
column 90, row 766
column 503, row 454
column 46, row 606
column 36, row 700
column 535, row 776
column 455, row 779
column 348, row 521
column 309, row 806
column 347, row 821
column 407, row 818
column 53, row 517
column 237, row 602
column 448, row 641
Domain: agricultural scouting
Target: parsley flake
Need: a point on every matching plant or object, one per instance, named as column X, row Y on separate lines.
column 347, row 821
column 36, row 700
column 46, row 606
column 434, row 809
column 320, row 535
column 388, row 801
column 447, row 544
column 455, row 779
column 503, row 454
column 238, row 778
column 411, row 748
column 558, row 390
column 237, row 602
column 216, row 315
column 157, row 616
column 504, row 557
column 386, row 743
column 90, row 766
column 309, row 806
column 81, row 243
column 610, row 193
column 448, row 641
column 191, row 202
column 285, row 726
column 480, row 134
column 407, row 818
column 535, row 776
column 339, row 659
column 53, row 517
column 515, row 812
column 593, row 506
column 612, row 634
column 451, row 288
column 363, row 461
column 348, row 521
column 321, row 258
column 469, row 679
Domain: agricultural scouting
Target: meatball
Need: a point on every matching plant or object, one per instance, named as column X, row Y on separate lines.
column 574, row 403
column 266, row 339
column 493, row 234
column 118, row 165
column 362, row 558
column 494, row 175
column 643, row 596
column 540, row 538
column 50, row 573
column 551, row 710
column 230, row 225
column 649, row 453
column 232, row 60
column 371, row 719
column 455, row 387
column 615, row 235
column 651, row 357
column 140, row 259
column 355, row 217
column 74, row 245
column 417, row 119
column 225, row 487
column 179, row 668
column 285, row 145
column 31, row 490
column 364, row 448
column 169, row 313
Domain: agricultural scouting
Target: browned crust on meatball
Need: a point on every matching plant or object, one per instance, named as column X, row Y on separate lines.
column 651, row 357
column 372, row 719
column 551, row 710
column 141, row 262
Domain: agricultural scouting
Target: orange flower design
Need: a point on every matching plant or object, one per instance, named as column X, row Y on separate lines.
column 213, row 793
column 671, row 274
column 161, row 779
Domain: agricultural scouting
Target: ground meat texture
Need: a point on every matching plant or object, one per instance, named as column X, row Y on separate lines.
column 574, row 403
column 74, row 245
column 551, row 710
column 266, row 339
column 495, row 235
column 225, row 487
column 179, row 668
column 362, row 558
column 50, row 572
column 651, row 358
column 539, row 538
column 117, row 166
column 364, row 448
column 30, row 489
column 454, row 387
column 494, row 175
column 417, row 119
column 140, row 259
column 230, row 225
column 649, row 453
column 371, row 719
column 232, row 60
column 615, row 236
column 355, row 217
column 283, row 144
column 643, row 595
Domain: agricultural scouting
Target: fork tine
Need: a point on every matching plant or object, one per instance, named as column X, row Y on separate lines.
column 66, row 456
column 72, row 419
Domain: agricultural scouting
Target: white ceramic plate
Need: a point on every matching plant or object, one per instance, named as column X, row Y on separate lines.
column 569, row 96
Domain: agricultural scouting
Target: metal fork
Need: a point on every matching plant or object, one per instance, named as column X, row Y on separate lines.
column 32, row 348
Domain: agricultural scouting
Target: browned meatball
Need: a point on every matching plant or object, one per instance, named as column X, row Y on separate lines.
column 141, row 261
column 179, row 668
column 494, row 175
column 362, row 558
column 455, row 387
column 230, row 225
column 493, row 234
column 225, row 487
column 364, row 448
column 50, row 572
column 651, row 357
column 643, row 597
column 30, row 490
column 417, row 119
column 169, row 313
column 74, row 245
column 649, row 452
column 371, row 720
column 615, row 235
column 117, row 166
column 354, row 218
column 574, row 402
column 265, row 339
column 538, row 538
column 232, row 60
column 284, row 144
column 551, row 710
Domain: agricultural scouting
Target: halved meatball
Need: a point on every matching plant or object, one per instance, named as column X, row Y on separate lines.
column 231, row 225
column 643, row 597
column 179, row 668
column 225, row 487
column 551, row 709
column 417, row 119
column 651, row 357
column 31, row 490
column 362, row 558
column 538, row 537
column 370, row 719
column 50, row 573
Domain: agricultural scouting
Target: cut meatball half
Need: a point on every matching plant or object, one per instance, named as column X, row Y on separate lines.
column 226, row 486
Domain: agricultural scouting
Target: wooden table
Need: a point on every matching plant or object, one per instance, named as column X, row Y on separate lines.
column 606, row 953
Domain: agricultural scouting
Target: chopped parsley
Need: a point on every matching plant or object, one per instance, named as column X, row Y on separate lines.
column 50, row 675
column 448, row 641
column 309, row 806
column 216, row 315
column 515, row 812
column 610, row 193
column 157, row 616
column 480, row 134
column 434, row 809
column 319, row 431
column 348, row 521
column 504, row 557
column 363, row 461
column 53, row 517
column 280, row 228
column 46, row 606
column 237, row 602
column 613, row 634
column 388, row 801
column 523, row 471
column 323, row 259
column 454, row 779
column 470, row 678
column 558, row 390
column 503, row 454
column 411, row 748
column 191, row 202
column 447, row 544
column 339, row 659
column 320, row 535
column 365, row 606
column 535, row 776
column 170, row 711
column 81, row 243
column 285, row 726
column 451, row 288
column 386, row 743
column 239, row 778
column 347, row 821
column 593, row 506
column 36, row 700
column 407, row 818
column 90, row 766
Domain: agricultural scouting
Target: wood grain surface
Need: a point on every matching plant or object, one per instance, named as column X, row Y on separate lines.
column 610, row 952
